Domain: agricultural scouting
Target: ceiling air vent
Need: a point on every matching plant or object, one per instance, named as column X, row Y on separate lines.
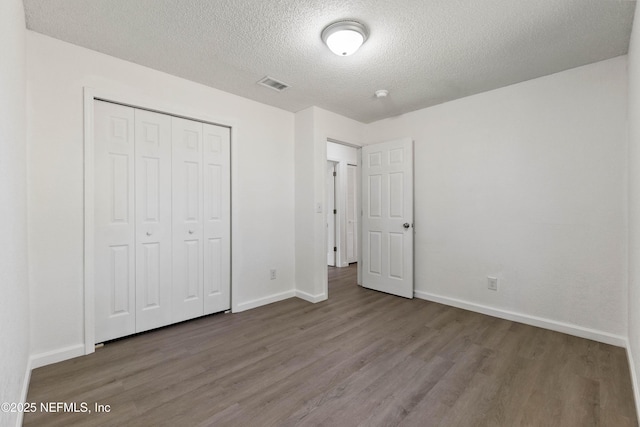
column 273, row 84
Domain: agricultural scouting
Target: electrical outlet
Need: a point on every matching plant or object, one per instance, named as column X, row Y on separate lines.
column 492, row 283
column 273, row 274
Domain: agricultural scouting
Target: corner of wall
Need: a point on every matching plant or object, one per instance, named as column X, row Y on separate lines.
column 634, row 378
column 311, row 298
column 25, row 390
column 633, row 264
column 14, row 304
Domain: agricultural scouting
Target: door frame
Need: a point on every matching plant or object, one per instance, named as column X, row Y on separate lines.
column 336, row 220
column 346, row 208
column 358, row 205
column 125, row 96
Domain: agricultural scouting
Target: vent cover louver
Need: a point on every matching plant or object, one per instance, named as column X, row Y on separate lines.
column 272, row 83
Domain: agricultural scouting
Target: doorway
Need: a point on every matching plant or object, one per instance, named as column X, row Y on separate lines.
column 342, row 179
column 384, row 215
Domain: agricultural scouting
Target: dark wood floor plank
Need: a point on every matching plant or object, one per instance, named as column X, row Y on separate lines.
column 362, row 358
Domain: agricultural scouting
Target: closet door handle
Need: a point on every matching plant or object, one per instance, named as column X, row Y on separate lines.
column 191, row 231
column 149, row 233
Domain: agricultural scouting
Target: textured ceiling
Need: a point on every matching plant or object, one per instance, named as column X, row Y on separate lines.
column 424, row 52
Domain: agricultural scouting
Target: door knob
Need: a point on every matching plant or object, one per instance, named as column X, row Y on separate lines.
column 149, row 233
column 191, row 231
column 406, row 225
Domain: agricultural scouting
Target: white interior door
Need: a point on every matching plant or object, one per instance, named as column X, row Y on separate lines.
column 352, row 213
column 114, row 219
column 187, row 219
column 217, row 219
column 387, row 222
column 331, row 216
column 153, row 219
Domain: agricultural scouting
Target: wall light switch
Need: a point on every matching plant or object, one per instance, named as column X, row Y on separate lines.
column 318, row 207
column 492, row 283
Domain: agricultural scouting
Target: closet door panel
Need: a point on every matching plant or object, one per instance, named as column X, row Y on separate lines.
column 187, row 143
column 153, row 219
column 114, row 219
column 217, row 218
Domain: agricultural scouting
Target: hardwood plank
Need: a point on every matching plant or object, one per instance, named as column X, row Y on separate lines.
column 361, row 358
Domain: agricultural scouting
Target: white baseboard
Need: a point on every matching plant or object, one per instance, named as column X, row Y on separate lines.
column 634, row 379
column 25, row 391
column 247, row 305
column 55, row 356
column 566, row 328
column 311, row 298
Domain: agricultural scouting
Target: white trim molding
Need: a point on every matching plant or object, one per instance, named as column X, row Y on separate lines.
column 25, row 390
column 88, row 199
column 311, row 298
column 634, row 378
column 55, row 356
column 247, row 305
column 566, row 328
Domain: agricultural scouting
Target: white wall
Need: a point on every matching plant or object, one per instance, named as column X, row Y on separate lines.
column 263, row 186
column 313, row 126
column 633, row 349
column 14, row 297
column 527, row 183
column 344, row 156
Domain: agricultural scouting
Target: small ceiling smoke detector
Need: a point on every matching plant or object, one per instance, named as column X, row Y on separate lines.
column 382, row 93
column 274, row 84
column 345, row 37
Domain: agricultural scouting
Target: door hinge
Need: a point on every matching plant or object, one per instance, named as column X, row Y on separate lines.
column 335, row 249
column 334, row 174
column 335, row 211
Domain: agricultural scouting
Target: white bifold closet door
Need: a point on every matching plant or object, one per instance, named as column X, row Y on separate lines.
column 162, row 219
column 201, row 218
column 217, row 218
column 153, row 219
column 187, row 219
column 114, row 218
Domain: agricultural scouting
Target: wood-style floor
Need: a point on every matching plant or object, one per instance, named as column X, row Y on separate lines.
column 360, row 358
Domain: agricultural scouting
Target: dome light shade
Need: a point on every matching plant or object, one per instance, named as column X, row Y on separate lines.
column 345, row 37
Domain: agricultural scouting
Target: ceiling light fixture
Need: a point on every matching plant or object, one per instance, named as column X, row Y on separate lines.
column 344, row 37
column 382, row 93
